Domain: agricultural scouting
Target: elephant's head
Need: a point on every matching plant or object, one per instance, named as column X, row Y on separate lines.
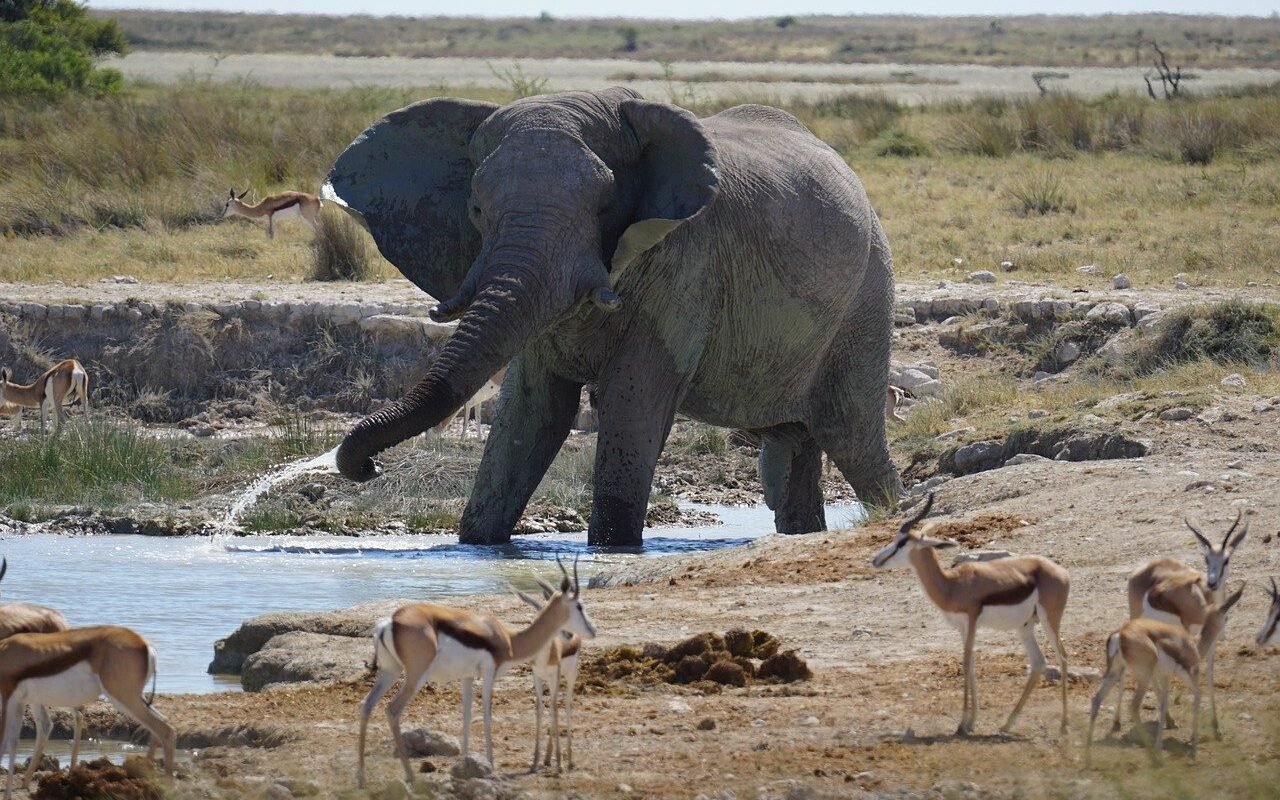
column 516, row 215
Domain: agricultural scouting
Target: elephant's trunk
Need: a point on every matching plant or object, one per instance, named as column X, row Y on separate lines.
column 503, row 316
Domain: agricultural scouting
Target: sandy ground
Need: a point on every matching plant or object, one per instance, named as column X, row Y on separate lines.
column 961, row 80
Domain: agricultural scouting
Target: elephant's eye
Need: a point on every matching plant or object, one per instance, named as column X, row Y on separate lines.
column 475, row 211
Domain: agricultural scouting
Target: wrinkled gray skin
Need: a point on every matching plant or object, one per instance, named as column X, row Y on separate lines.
column 729, row 268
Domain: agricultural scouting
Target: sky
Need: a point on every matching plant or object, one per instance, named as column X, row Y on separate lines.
column 686, row 9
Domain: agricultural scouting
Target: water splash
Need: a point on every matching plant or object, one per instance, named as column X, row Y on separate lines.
column 326, row 462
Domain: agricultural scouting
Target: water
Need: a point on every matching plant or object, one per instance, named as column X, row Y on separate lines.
column 184, row 593
column 326, row 462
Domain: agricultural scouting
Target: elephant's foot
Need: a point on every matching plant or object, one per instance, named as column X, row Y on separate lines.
column 616, row 522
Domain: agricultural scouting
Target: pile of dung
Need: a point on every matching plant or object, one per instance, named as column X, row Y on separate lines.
column 101, row 780
column 707, row 661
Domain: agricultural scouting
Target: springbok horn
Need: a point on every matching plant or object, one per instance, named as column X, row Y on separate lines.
column 1239, row 516
column 921, row 514
column 560, row 564
column 1198, row 534
column 577, row 587
column 1275, row 590
column 4, row 567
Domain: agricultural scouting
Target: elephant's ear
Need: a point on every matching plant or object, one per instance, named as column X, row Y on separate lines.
column 407, row 179
column 676, row 175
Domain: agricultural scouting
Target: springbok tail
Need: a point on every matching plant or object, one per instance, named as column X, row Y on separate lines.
column 151, row 666
column 384, row 646
column 1113, row 651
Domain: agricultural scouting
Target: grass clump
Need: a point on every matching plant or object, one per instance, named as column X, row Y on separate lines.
column 1040, row 192
column 1228, row 333
column 95, row 461
column 339, row 250
column 900, row 143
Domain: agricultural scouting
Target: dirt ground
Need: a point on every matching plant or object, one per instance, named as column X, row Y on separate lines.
column 878, row 715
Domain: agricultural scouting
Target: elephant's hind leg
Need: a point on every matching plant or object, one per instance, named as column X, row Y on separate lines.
column 791, row 471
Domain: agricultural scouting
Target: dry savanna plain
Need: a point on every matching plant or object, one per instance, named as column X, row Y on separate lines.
column 1087, row 333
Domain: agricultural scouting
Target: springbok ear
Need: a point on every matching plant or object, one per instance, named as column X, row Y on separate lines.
column 1233, row 599
column 564, row 586
column 242, row 194
column 939, row 544
column 675, row 175
column 1239, row 538
column 407, row 179
column 231, row 194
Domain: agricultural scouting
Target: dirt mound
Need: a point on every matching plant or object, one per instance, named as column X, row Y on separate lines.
column 102, row 780
column 707, row 661
column 981, row 530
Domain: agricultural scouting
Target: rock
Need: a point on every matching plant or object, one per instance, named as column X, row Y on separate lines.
column 312, row 657
column 1087, row 269
column 1041, row 376
column 47, row 764
column 1177, row 414
column 955, row 434
column 397, row 327
column 809, row 722
column 1263, row 406
column 1234, row 381
column 1037, row 413
column 911, row 377
column 1114, row 314
column 471, row 767
column 1121, row 281
column 278, row 791
column 1097, row 446
column 1024, row 458
column 423, row 742
column 982, row 276
column 928, row 389
column 357, row 621
column 1008, row 266
column 1180, row 285
column 1066, row 352
column 678, row 706
column 981, row 555
column 978, row 457
column 706, row 724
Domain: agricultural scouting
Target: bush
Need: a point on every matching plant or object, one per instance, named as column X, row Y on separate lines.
column 1229, row 333
column 1040, row 192
column 900, row 143
column 48, row 48
column 339, row 250
column 980, row 134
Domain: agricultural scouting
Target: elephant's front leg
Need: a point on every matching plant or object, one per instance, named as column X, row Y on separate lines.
column 535, row 413
column 636, row 410
column 791, row 472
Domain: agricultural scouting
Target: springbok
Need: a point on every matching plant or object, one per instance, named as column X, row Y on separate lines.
column 1169, row 591
column 559, row 658
column 490, row 390
column 1155, row 651
column 893, row 398
column 281, row 204
column 1006, row 594
column 28, row 618
column 56, row 387
column 424, row 642
column 1268, row 633
column 72, row 668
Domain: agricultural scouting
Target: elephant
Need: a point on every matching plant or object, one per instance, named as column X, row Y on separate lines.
column 729, row 268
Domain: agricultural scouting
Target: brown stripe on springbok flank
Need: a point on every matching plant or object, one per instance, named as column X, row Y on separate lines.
column 1158, row 602
column 53, row 662
column 466, row 638
column 289, row 204
column 570, row 647
column 1011, row 596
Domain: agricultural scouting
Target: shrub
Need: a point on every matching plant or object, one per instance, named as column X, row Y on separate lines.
column 1040, row 192
column 897, row 142
column 980, row 134
column 1228, row 333
column 339, row 250
column 49, row 47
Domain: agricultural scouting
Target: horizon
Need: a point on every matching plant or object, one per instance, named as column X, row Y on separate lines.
column 677, row 11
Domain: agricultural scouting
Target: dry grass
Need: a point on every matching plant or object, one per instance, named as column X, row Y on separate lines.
column 1199, row 41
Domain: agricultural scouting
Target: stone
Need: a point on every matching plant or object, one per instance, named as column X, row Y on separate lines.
column 423, row 742
column 1180, row 285
column 978, row 456
column 122, row 279
column 356, row 622
column 980, row 555
column 706, row 724
column 1263, row 406
column 982, row 276
column 1177, row 414
column 471, row 767
column 809, row 722
column 1066, row 352
column 1037, row 413
column 1234, row 381
column 1024, row 458
column 344, row 313
column 1008, row 266
column 278, row 791
column 1087, row 269
column 678, row 706
column 1041, row 376
column 1115, row 314
column 298, row 656
column 910, row 378
column 1121, row 281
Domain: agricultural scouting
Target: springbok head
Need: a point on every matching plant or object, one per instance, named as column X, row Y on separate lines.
column 898, row 552
column 1269, row 633
column 232, row 199
column 1218, row 559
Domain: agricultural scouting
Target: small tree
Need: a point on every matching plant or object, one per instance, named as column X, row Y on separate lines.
column 785, row 22
column 630, row 38
column 49, row 47
column 1170, row 79
column 1041, row 79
